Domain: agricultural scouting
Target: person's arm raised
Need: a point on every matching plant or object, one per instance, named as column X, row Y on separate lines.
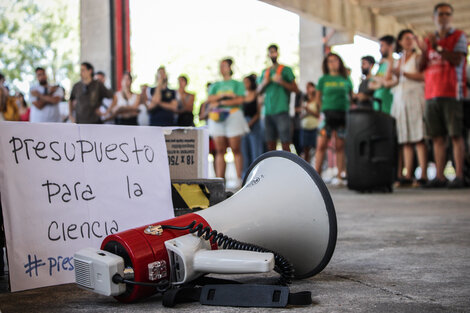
column 156, row 98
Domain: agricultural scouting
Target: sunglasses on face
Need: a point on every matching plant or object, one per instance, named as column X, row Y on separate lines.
column 440, row 14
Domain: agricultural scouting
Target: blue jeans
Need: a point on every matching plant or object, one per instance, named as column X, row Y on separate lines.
column 252, row 144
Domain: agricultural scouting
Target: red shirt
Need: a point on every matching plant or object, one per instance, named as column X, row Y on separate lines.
column 25, row 116
column 440, row 76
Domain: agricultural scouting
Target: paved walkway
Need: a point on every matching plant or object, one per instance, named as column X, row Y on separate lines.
column 403, row 252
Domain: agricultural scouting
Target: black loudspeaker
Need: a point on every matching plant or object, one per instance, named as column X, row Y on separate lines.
column 466, row 113
column 371, row 150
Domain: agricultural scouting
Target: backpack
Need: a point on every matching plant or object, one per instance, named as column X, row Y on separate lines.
column 279, row 69
column 11, row 112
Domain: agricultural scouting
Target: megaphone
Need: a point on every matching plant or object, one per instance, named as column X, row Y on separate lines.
column 283, row 206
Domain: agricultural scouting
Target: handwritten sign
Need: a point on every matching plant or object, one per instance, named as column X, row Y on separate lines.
column 65, row 186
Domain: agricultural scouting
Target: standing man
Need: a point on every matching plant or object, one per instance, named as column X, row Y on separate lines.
column 379, row 81
column 45, row 99
column 277, row 82
column 443, row 61
column 365, row 94
column 87, row 96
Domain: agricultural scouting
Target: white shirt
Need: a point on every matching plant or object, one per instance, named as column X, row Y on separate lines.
column 105, row 104
column 122, row 102
column 50, row 112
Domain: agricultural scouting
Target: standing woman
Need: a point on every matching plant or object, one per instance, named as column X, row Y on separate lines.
column 226, row 122
column 252, row 143
column 309, row 122
column 185, row 103
column 408, row 107
column 125, row 105
column 333, row 96
column 23, row 108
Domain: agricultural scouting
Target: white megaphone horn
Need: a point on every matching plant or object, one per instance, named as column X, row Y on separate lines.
column 283, row 206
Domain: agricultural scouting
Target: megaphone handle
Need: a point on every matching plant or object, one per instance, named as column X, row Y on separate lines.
column 282, row 265
column 233, row 261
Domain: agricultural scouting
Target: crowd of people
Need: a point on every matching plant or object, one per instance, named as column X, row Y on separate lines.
column 422, row 89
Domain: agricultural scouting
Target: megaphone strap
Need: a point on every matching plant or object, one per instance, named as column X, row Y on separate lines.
column 237, row 295
column 300, row 298
column 180, row 295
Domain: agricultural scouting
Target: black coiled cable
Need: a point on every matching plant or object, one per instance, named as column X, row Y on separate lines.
column 161, row 286
column 282, row 265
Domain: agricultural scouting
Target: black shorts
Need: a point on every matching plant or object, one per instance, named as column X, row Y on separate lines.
column 334, row 120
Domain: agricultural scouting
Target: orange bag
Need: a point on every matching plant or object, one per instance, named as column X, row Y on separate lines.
column 11, row 111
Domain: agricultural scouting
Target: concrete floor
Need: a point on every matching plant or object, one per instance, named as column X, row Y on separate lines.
column 403, row 252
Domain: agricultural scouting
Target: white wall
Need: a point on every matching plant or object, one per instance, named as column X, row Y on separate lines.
column 95, row 35
column 310, row 52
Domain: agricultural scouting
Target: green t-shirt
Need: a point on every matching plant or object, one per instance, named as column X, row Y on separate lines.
column 383, row 93
column 276, row 97
column 335, row 92
column 229, row 87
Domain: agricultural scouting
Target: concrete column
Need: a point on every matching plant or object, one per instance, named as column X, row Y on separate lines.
column 310, row 52
column 95, row 35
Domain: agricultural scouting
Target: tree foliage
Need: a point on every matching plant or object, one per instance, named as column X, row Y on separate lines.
column 38, row 33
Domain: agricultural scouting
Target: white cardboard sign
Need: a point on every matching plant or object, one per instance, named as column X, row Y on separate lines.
column 66, row 186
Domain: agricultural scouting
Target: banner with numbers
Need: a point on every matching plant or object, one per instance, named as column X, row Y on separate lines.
column 66, row 186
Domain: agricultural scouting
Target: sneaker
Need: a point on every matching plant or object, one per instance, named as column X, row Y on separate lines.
column 437, row 183
column 338, row 182
column 238, row 183
column 334, row 181
column 456, row 183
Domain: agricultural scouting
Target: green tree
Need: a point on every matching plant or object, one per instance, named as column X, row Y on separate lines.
column 39, row 33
